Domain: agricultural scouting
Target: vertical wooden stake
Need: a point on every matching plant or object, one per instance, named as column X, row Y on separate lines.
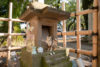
column 94, row 38
column 98, row 44
column 64, row 26
column 9, row 31
column 78, row 28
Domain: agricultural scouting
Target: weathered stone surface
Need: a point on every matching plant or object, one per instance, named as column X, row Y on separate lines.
column 58, row 59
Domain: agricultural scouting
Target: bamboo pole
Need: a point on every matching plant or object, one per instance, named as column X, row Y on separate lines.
column 3, row 34
column 82, row 12
column 94, row 38
column 11, row 49
column 64, row 25
column 73, row 33
column 89, row 53
column 18, row 34
column 78, row 28
column 66, row 33
column 17, row 48
column 98, row 47
column 7, row 19
column 3, row 49
column 9, row 31
column 84, row 52
column 13, row 34
column 17, row 20
column 88, row 32
column 4, row 19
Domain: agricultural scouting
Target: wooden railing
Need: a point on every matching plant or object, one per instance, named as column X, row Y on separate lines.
column 78, row 32
column 10, row 34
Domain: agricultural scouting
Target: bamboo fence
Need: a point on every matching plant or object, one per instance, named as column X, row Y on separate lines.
column 10, row 34
column 64, row 25
column 77, row 33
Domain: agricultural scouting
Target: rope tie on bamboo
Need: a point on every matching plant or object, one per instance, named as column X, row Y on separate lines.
column 76, row 14
column 61, row 34
column 75, row 32
column 76, row 51
column 9, row 49
column 94, row 34
column 94, row 7
column 94, row 57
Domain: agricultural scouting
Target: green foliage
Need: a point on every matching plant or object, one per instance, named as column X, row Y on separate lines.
column 18, row 41
column 4, row 8
column 16, row 27
column 85, row 5
column 71, row 22
column 18, row 7
column 71, row 7
column 55, row 3
column 3, row 41
column 4, row 13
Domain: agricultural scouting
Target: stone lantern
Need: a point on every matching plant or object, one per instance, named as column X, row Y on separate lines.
column 43, row 21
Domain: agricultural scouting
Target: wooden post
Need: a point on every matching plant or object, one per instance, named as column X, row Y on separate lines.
column 64, row 26
column 94, row 38
column 9, row 31
column 98, row 47
column 78, row 28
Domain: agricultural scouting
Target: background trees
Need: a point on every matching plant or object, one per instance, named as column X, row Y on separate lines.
column 85, row 5
column 18, row 7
